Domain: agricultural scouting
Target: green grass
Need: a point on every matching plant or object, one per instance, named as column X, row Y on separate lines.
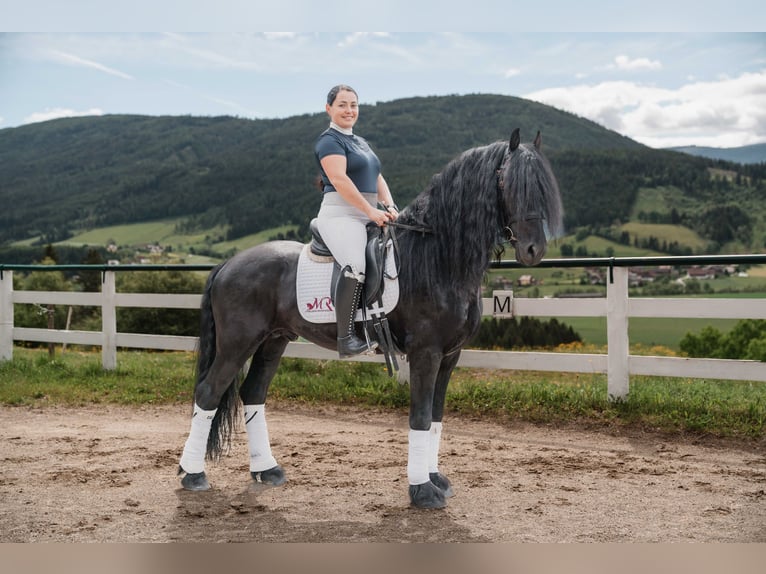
column 76, row 378
column 163, row 232
column 666, row 232
column 251, row 240
column 721, row 408
column 716, row 408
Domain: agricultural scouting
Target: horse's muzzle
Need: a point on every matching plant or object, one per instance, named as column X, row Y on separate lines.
column 529, row 252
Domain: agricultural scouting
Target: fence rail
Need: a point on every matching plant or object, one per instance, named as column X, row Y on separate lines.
column 617, row 307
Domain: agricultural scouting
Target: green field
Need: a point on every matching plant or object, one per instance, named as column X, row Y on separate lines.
column 659, row 199
column 666, row 232
column 164, row 232
column 646, row 332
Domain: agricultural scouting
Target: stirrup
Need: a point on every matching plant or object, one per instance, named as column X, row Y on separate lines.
column 351, row 345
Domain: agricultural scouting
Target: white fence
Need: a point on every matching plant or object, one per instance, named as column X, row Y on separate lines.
column 617, row 307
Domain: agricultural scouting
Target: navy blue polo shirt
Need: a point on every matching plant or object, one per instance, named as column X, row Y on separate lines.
column 362, row 165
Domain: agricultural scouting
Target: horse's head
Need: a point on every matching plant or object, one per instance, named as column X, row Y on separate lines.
column 530, row 200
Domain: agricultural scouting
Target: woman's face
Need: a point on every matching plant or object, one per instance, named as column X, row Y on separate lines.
column 344, row 111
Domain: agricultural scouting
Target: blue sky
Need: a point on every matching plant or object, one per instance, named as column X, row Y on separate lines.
column 664, row 88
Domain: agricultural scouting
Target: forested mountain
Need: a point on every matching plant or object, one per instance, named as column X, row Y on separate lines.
column 755, row 153
column 64, row 176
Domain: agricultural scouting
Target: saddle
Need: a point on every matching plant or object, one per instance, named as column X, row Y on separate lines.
column 379, row 241
column 375, row 261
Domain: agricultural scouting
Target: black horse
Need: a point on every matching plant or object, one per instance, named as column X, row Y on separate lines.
column 487, row 195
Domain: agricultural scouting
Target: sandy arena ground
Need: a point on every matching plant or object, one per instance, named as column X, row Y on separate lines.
column 108, row 474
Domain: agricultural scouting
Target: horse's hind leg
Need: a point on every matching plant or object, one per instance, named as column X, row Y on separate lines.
column 263, row 466
column 210, row 414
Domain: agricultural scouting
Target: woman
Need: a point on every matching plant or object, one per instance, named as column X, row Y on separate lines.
column 352, row 186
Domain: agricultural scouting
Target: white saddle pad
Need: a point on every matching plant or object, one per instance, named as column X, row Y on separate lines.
column 312, row 288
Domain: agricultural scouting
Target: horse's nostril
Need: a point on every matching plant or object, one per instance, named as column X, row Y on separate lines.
column 532, row 253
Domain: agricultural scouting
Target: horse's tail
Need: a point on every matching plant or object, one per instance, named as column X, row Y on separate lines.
column 221, row 429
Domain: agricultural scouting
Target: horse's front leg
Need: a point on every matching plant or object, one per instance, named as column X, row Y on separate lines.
column 440, row 393
column 424, row 367
column 263, row 466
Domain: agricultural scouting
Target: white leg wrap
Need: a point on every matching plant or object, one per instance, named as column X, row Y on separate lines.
column 417, row 461
column 193, row 457
column 258, row 438
column 433, row 447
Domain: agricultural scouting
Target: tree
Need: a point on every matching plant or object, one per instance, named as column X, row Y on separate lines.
column 50, row 254
column 91, row 280
column 510, row 333
column 747, row 340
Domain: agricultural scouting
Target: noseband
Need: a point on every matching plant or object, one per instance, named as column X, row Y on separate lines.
column 510, row 236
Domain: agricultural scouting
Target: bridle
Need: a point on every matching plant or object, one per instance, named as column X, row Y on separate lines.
column 510, row 235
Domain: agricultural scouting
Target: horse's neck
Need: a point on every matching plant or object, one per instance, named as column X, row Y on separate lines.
column 460, row 209
column 473, row 237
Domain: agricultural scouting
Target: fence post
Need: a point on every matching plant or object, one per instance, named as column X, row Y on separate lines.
column 108, row 321
column 6, row 315
column 618, row 374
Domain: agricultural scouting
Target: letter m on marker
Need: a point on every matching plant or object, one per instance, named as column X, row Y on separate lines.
column 502, row 304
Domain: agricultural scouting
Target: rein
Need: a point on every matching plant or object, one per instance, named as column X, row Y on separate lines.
column 422, row 229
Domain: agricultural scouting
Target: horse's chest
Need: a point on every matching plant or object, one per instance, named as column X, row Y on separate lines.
column 460, row 316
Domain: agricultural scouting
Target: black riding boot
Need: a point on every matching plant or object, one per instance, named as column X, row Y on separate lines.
column 347, row 294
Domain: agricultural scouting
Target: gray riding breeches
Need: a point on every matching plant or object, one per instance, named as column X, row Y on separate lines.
column 344, row 231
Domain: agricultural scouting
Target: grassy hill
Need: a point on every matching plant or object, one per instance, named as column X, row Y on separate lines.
column 210, row 185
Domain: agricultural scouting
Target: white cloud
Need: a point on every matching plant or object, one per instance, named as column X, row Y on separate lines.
column 511, row 72
column 279, row 35
column 723, row 113
column 623, row 62
column 356, row 37
column 55, row 113
column 77, row 61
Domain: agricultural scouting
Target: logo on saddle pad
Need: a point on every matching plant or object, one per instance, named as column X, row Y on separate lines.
column 320, row 304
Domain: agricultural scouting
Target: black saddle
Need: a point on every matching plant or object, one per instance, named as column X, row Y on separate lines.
column 375, row 260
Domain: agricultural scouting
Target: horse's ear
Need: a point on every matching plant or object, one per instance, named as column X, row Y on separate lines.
column 538, row 141
column 515, row 139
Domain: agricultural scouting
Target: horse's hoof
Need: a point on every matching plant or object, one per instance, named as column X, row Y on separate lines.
column 427, row 495
column 272, row 477
column 442, row 483
column 194, row 480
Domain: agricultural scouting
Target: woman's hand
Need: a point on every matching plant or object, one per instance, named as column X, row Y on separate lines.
column 381, row 217
column 393, row 211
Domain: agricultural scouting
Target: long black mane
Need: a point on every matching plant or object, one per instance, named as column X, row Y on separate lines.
column 466, row 207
